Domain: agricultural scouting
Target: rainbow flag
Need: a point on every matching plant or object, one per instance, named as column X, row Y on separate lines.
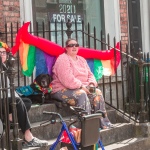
column 27, row 58
column 39, row 53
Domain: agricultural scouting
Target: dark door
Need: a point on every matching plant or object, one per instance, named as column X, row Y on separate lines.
column 135, row 25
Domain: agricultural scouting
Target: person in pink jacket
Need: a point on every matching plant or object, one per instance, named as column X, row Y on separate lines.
column 72, row 79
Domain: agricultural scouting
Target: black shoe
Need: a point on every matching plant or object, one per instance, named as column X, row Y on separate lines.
column 35, row 142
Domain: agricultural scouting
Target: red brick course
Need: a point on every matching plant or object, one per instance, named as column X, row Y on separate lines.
column 124, row 23
column 9, row 13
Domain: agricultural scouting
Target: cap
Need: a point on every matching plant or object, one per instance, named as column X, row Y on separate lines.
column 4, row 45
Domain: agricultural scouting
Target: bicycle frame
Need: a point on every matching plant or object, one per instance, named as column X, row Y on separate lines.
column 65, row 128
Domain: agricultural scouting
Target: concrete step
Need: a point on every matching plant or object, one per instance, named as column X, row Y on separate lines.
column 36, row 112
column 130, row 144
column 121, row 131
column 108, row 136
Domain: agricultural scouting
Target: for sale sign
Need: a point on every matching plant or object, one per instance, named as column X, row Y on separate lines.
column 66, row 9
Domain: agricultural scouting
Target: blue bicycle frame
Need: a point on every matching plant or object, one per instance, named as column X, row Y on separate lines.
column 74, row 143
column 64, row 128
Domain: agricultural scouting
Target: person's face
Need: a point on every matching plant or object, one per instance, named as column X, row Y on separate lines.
column 3, row 54
column 72, row 48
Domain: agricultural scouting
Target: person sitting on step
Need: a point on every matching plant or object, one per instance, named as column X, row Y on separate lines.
column 22, row 107
column 72, row 79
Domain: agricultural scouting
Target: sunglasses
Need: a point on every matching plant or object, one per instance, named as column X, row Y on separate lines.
column 72, row 45
column 2, row 52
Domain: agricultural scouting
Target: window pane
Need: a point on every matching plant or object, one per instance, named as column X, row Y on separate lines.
column 76, row 10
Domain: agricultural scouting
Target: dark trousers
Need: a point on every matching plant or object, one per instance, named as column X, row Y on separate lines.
column 22, row 105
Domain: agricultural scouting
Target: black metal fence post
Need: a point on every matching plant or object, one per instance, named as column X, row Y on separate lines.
column 16, row 142
column 69, row 31
column 5, row 141
column 143, row 114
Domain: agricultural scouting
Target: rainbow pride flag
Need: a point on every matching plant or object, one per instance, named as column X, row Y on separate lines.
column 27, row 58
column 39, row 53
column 31, row 57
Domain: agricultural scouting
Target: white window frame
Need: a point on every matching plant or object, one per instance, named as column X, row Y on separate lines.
column 26, row 16
column 112, row 19
column 145, row 24
column 26, row 11
column 111, row 11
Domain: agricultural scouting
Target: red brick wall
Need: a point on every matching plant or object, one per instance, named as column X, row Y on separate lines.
column 1, row 16
column 124, row 23
column 9, row 13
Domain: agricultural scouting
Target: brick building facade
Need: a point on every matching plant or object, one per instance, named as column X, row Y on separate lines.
column 124, row 23
column 9, row 13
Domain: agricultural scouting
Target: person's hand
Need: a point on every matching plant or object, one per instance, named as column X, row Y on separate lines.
column 91, row 87
column 85, row 89
column 91, row 84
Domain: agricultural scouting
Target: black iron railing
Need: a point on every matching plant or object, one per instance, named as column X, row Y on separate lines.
column 7, row 86
column 128, row 91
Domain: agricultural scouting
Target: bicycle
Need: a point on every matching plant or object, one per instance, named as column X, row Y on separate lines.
column 89, row 123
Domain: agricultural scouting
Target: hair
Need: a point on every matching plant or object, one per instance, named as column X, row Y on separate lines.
column 70, row 39
column 5, row 46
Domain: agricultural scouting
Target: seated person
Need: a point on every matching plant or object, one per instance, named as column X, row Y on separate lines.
column 22, row 108
column 71, row 77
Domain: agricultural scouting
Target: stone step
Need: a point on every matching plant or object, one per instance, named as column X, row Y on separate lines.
column 108, row 136
column 112, row 135
column 36, row 112
column 130, row 144
column 112, row 116
column 121, row 131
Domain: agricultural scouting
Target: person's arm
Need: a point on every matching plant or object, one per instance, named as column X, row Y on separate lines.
column 64, row 73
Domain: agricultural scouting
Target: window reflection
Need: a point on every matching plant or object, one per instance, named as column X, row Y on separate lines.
column 77, row 11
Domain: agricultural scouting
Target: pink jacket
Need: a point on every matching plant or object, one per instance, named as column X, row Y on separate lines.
column 71, row 74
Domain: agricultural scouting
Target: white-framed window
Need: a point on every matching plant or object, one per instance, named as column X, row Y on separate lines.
column 112, row 19
column 101, row 14
column 26, row 11
column 145, row 24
